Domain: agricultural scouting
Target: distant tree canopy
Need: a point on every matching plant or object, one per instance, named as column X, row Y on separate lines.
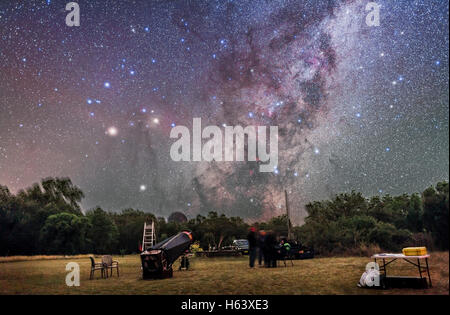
column 64, row 233
column 47, row 218
column 103, row 234
column 435, row 214
column 23, row 216
column 350, row 220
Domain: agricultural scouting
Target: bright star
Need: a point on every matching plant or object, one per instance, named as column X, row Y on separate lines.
column 112, row 131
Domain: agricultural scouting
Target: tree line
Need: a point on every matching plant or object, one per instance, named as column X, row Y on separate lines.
column 353, row 222
column 46, row 218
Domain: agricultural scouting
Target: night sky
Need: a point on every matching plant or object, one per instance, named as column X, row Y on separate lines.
column 358, row 108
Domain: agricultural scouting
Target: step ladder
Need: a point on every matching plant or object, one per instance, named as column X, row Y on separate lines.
column 149, row 238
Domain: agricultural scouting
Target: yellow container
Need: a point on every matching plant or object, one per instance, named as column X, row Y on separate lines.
column 414, row 251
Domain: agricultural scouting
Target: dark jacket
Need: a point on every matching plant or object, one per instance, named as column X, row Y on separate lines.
column 261, row 239
column 252, row 243
column 270, row 242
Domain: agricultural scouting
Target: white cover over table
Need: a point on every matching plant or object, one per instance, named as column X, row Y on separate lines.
column 381, row 256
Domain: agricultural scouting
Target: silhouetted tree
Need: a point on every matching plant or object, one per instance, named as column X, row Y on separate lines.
column 103, row 233
column 64, row 233
column 435, row 205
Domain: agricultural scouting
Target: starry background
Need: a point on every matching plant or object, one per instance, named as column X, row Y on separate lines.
column 358, row 108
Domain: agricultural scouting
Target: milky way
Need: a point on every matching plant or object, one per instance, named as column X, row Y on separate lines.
column 358, row 107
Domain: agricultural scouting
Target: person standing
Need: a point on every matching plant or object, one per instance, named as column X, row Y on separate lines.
column 252, row 246
column 270, row 253
column 261, row 238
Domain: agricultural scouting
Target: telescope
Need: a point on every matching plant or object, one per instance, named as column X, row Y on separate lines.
column 157, row 261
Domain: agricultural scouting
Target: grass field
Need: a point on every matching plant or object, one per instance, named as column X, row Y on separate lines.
column 46, row 275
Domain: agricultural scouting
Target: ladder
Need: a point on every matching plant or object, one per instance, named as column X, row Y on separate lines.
column 149, row 238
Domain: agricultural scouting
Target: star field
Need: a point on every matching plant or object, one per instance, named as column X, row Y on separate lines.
column 358, row 107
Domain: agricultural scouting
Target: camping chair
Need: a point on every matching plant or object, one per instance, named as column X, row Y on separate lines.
column 96, row 266
column 285, row 255
column 109, row 263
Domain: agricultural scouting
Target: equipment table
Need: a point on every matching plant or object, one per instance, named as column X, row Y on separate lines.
column 390, row 258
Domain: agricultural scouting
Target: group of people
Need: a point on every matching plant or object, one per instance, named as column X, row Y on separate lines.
column 264, row 245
